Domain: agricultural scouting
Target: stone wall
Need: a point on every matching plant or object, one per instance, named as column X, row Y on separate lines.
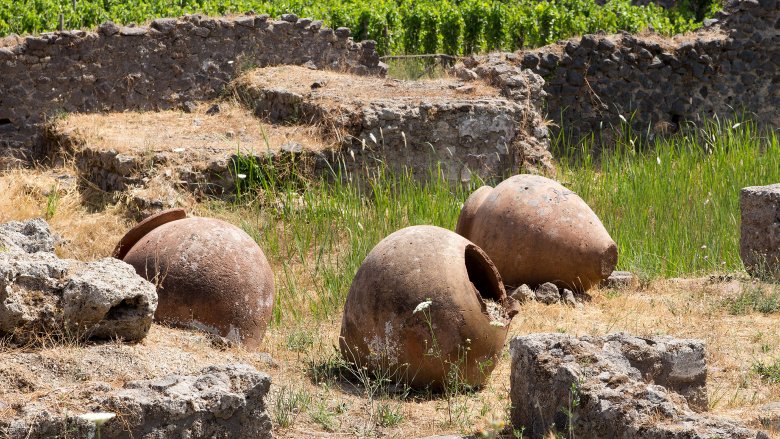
column 729, row 66
column 150, row 68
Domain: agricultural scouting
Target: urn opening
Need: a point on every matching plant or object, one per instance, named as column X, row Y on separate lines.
column 483, row 274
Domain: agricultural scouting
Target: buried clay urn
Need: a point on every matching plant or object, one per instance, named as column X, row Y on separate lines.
column 425, row 303
column 536, row 231
column 209, row 274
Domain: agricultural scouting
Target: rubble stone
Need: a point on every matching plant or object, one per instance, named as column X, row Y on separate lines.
column 548, row 293
column 42, row 295
column 29, row 236
column 221, row 402
column 620, row 280
column 523, row 294
column 616, row 386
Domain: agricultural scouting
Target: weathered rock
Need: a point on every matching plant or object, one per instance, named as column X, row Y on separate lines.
column 523, row 294
column 44, row 296
column 107, row 299
column 537, row 231
column 620, row 280
column 29, row 236
column 617, row 386
column 548, row 293
column 567, row 297
column 423, row 297
column 220, row 402
column 209, row 274
column 759, row 244
column 410, row 125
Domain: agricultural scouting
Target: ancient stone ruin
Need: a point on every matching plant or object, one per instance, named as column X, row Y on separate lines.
column 220, row 401
column 616, row 386
column 657, row 83
column 44, row 297
column 759, row 244
column 173, row 110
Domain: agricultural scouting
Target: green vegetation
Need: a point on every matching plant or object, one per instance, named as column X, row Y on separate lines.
column 670, row 204
column 768, row 371
column 756, row 298
column 399, row 26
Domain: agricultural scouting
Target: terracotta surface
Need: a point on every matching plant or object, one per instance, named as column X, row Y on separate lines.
column 380, row 329
column 209, row 274
column 147, row 225
column 536, row 231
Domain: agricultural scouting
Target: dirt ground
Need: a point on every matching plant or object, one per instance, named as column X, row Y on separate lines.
column 310, row 399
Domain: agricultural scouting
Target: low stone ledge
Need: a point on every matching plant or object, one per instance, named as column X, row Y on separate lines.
column 220, row 402
column 616, row 386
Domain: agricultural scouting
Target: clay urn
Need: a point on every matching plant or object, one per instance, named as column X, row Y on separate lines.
column 209, row 274
column 427, row 307
column 536, row 231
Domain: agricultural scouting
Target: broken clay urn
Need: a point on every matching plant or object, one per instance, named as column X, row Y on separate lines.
column 536, row 231
column 463, row 326
column 209, row 274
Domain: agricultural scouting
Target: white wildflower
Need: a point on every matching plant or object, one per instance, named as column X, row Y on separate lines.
column 422, row 306
column 241, row 176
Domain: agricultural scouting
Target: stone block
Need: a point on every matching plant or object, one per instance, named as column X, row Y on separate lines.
column 759, row 244
column 617, row 386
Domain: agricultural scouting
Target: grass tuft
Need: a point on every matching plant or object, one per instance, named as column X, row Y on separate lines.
column 768, row 371
column 765, row 300
column 672, row 203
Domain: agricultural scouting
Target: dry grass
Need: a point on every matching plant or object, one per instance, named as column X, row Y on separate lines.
column 191, row 135
column 332, row 85
column 89, row 222
column 64, row 376
column 685, row 308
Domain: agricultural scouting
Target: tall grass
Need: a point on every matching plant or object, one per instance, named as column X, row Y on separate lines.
column 670, row 204
column 317, row 238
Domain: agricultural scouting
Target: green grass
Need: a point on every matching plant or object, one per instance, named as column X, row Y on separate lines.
column 763, row 299
column 398, row 26
column 671, row 205
column 768, row 371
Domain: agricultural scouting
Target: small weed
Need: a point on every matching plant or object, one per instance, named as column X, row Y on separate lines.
column 768, row 371
column 612, row 293
column 765, row 300
column 389, row 414
column 327, row 371
column 289, row 403
column 300, row 340
column 324, row 416
column 52, row 201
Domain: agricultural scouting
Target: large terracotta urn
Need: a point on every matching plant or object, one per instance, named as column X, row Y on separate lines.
column 209, row 274
column 427, row 307
column 536, row 231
